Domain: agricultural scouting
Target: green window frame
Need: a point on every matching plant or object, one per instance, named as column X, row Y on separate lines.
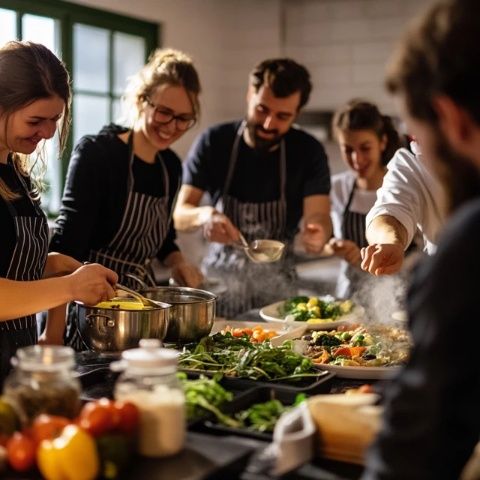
column 67, row 15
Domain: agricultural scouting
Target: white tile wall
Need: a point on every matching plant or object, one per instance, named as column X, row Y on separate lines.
column 344, row 43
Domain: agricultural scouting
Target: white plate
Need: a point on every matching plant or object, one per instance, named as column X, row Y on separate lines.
column 363, row 373
column 270, row 314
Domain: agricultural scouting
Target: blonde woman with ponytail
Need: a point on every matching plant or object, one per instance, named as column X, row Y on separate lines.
column 122, row 183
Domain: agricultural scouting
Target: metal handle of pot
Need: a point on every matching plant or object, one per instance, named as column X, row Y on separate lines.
column 91, row 317
column 142, row 284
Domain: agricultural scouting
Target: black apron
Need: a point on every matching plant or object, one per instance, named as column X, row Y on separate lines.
column 143, row 229
column 27, row 263
column 252, row 285
column 353, row 228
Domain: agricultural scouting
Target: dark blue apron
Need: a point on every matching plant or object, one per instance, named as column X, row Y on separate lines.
column 252, row 285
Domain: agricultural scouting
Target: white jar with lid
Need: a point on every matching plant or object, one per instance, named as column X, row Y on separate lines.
column 149, row 380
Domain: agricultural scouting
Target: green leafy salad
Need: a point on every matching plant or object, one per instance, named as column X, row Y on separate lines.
column 315, row 309
column 239, row 357
column 206, row 395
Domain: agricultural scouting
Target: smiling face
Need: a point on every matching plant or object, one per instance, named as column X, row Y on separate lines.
column 362, row 152
column 269, row 117
column 22, row 130
column 168, row 99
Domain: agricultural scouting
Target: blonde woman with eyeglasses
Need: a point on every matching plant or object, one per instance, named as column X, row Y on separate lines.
column 122, row 183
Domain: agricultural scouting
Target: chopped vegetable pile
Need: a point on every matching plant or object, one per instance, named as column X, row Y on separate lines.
column 349, row 346
column 315, row 309
column 239, row 357
column 255, row 334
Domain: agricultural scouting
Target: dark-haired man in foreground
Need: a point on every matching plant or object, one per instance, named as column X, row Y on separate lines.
column 432, row 419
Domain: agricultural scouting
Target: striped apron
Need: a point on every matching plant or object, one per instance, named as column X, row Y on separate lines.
column 143, row 229
column 353, row 228
column 27, row 263
column 252, row 285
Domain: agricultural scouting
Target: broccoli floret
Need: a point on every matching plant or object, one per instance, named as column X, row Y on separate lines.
column 326, row 340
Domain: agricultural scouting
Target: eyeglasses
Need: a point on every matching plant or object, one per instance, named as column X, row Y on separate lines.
column 164, row 116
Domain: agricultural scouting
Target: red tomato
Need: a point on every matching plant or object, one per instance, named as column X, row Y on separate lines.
column 129, row 416
column 47, row 427
column 96, row 418
column 21, row 452
column 4, row 439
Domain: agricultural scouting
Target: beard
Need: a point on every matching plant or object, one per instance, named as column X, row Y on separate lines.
column 459, row 177
column 261, row 143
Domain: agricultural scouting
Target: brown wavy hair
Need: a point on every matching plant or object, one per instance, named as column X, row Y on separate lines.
column 440, row 54
column 29, row 72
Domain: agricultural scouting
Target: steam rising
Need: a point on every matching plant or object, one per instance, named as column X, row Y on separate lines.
column 381, row 297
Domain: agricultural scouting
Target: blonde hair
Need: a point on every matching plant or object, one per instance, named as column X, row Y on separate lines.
column 164, row 67
column 29, row 72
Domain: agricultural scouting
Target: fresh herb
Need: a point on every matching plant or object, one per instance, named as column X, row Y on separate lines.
column 205, row 395
column 238, row 357
column 262, row 417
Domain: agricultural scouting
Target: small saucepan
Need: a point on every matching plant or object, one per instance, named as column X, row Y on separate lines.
column 119, row 324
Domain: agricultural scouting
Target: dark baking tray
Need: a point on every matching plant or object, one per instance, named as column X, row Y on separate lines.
column 242, row 402
column 320, row 383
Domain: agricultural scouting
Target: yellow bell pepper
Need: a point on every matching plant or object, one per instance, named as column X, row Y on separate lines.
column 71, row 456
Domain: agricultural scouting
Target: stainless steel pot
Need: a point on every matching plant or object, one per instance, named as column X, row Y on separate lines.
column 192, row 311
column 109, row 330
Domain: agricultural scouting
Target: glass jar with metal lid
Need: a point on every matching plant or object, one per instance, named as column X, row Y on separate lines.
column 43, row 382
column 149, row 380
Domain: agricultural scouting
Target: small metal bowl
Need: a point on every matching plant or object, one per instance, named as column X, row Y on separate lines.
column 265, row 251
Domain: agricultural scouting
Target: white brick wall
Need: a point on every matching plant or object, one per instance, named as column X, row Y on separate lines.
column 344, row 43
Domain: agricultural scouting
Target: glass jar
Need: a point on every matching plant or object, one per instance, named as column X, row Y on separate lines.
column 149, row 380
column 43, row 382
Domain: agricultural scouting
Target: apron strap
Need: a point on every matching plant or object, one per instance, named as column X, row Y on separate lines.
column 233, row 161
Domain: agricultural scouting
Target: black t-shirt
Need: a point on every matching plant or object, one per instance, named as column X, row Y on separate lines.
column 256, row 176
column 23, row 207
column 432, row 419
column 96, row 193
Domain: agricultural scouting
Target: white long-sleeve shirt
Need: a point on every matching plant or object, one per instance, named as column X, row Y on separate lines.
column 413, row 196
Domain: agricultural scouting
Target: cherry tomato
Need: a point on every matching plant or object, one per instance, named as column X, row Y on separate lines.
column 129, row 416
column 47, row 427
column 96, row 418
column 21, row 452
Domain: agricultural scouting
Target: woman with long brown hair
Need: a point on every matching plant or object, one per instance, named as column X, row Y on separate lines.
column 34, row 104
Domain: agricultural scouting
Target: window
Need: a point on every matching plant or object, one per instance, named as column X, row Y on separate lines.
column 101, row 50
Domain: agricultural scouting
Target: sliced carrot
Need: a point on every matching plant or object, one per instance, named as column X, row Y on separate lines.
column 342, row 351
column 357, row 351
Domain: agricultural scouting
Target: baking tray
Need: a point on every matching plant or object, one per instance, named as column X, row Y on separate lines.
column 243, row 402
